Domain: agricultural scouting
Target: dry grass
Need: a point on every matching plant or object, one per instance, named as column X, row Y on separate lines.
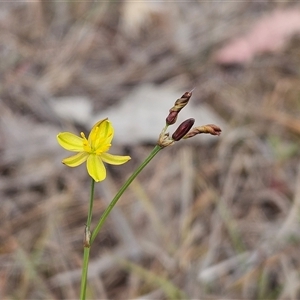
column 209, row 222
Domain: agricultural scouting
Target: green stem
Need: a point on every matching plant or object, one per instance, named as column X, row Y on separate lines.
column 122, row 190
column 86, row 252
column 86, row 255
column 89, row 218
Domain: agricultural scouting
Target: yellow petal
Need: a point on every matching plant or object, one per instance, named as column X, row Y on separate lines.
column 96, row 167
column 109, row 132
column 70, row 141
column 75, row 160
column 98, row 130
column 101, row 134
column 114, row 159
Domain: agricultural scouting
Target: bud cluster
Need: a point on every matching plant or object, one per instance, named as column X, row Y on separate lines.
column 184, row 130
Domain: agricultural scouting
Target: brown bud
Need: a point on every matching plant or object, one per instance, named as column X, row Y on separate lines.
column 171, row 118
column 178, row 106
column 210, row 129
column 183, row 129
column 181, row 102
column 185, row 97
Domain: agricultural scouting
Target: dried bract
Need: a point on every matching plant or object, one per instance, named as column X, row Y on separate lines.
column 209, row 128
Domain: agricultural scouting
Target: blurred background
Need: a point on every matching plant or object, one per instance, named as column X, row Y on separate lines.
column 210, row 218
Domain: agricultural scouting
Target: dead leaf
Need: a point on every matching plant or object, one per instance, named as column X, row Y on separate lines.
column 269, row 34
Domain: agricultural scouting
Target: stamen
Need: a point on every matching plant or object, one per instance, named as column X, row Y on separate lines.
column 86, row 145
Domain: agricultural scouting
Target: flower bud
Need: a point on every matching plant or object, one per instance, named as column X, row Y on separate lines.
column 210, row 128
column 182, row 102
column 178, row 106
column 183, row 129
column 171, row 118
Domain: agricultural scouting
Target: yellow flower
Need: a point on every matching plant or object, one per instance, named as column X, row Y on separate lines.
column 92, row 150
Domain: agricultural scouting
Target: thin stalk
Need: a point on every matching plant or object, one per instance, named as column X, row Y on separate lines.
column 155, row 150
column 86, row 252
column 90, row 212
column 86, row 255
column 104, row 216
